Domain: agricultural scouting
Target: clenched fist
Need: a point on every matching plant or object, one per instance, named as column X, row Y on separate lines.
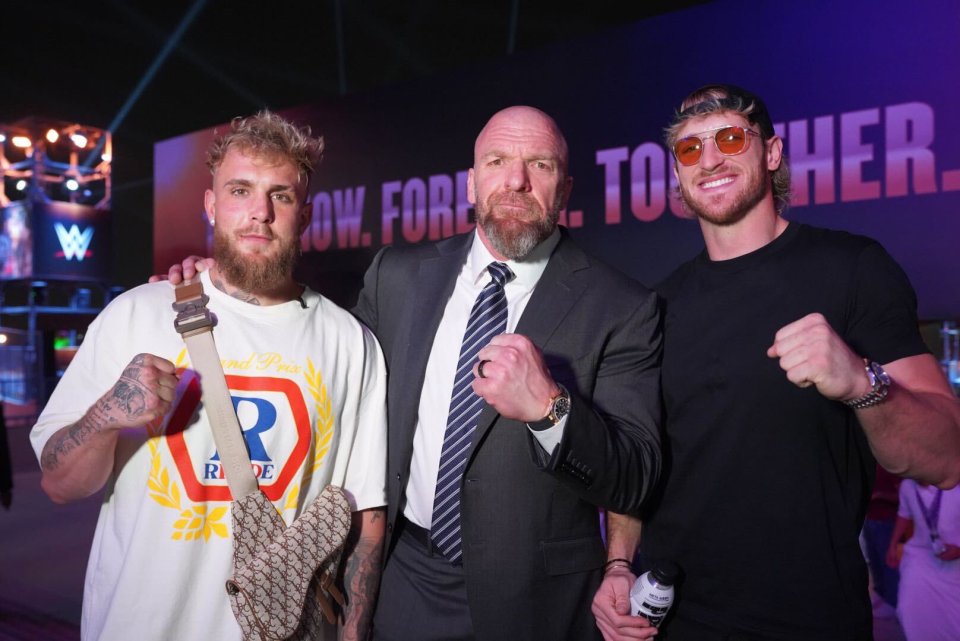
column 144, row 392
column 812, row 353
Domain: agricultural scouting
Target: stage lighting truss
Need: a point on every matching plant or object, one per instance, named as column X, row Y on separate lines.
column 55, row 161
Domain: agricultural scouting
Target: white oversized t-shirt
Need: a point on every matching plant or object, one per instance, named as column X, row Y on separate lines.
column 309, row 388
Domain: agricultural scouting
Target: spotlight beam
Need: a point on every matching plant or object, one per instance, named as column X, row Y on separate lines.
column 191, row 55
column 147, row 77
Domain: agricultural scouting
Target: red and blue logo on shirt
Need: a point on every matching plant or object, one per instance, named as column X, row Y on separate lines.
column 262, row 404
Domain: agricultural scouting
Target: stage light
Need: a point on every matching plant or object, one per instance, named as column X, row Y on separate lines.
column 58, row 161
column 3, row 339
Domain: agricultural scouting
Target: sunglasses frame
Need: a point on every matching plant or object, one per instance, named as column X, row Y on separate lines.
column 703, row 141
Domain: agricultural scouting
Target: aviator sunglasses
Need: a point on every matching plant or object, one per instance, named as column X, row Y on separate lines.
column 730, row 140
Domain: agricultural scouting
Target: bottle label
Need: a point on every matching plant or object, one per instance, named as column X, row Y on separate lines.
column 650, row 599
column 653, row 610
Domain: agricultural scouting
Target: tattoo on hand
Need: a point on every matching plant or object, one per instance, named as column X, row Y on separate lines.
column 132, row 371
column 131, row 398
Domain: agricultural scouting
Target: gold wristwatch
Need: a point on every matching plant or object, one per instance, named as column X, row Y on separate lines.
column 559, row 407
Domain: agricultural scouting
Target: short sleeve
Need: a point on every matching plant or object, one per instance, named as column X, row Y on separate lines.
column 366, row 462
column 907, row 493
column 883, row 321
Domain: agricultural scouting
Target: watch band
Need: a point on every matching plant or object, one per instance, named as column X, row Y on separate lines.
column 879, row 381
column 558, row 408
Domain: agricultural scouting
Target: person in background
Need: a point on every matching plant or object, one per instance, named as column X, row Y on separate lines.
column 928, row 604
column 6, row 467
column 877, row 532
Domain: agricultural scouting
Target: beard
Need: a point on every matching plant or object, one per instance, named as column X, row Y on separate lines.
column 254, row 272
column 512, row 234
column 756, row 186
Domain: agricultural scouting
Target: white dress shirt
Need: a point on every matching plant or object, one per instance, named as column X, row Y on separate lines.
column 442, row 364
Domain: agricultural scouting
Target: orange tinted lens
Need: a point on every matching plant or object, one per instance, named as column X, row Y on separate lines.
column 688, row 150
column 731, row 140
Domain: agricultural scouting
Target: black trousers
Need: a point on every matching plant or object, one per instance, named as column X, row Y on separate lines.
column 422, row 596
column 686, row 630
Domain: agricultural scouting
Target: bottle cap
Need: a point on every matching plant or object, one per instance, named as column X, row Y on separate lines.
column 665, row 572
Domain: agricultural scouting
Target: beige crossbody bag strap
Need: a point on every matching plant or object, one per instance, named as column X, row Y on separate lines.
column 195, row 323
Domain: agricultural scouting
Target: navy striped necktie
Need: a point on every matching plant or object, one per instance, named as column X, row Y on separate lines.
column 487, row 319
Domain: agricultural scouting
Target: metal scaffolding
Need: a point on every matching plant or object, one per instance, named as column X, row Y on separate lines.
column 55, row 161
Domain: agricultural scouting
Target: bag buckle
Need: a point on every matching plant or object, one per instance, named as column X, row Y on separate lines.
column 193, row 317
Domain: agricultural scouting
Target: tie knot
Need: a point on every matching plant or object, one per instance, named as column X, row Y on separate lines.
column 499, row 272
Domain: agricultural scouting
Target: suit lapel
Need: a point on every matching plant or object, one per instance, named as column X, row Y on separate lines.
column 557, row 291
column 435, row 282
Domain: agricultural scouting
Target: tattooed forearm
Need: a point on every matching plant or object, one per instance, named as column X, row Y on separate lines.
column 126, row 400
column 76, row 435
column 77, row 459
column 361, row 578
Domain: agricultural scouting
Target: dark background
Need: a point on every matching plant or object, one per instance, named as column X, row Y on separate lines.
column 81, row 62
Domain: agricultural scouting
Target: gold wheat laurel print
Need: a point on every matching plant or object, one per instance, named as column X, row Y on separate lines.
column 323, row 430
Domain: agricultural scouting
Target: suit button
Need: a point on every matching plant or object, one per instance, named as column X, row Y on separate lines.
column 398, row 476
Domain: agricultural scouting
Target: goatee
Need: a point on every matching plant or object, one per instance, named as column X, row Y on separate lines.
column 513, row 235
column 254, row 272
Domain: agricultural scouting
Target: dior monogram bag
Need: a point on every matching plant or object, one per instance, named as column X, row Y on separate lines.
column 283, row 579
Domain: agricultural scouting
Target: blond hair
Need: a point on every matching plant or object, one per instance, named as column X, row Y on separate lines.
column 267, row 134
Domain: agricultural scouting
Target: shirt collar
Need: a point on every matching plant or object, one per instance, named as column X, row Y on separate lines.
column 526, row 272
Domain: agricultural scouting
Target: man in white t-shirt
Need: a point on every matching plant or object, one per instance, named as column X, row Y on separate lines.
column 928, row 524
column 306, row 379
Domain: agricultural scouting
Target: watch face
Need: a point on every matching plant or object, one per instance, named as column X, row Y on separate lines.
column 561, row 407
column 879, row 381
column 878, row 374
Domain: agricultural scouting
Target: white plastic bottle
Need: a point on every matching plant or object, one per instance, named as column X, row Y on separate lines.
column 652, row 594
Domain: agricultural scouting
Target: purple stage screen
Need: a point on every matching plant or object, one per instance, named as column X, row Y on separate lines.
column 864, row 99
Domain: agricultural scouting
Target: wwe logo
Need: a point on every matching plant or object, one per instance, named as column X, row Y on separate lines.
column 74, row 242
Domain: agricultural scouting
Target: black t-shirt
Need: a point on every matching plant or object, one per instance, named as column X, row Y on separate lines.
column 767, row 483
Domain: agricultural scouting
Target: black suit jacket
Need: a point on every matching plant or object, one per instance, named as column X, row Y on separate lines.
column 532, row 551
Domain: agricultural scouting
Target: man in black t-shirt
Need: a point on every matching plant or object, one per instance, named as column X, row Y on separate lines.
column 791, row 363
